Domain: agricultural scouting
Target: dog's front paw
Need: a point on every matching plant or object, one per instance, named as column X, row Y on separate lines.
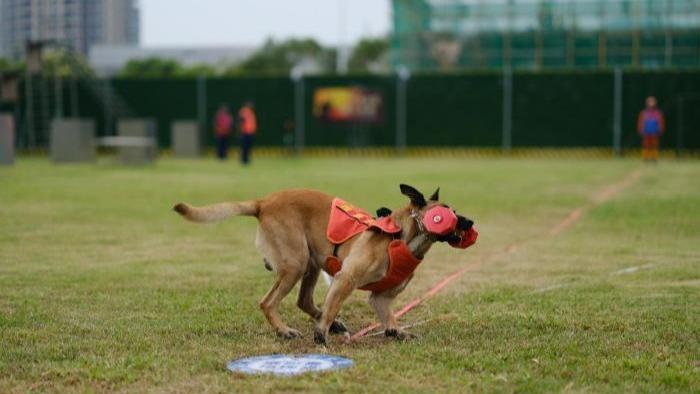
column 337, row 327
column 289, row 333
column 398, row 334
column 320, row 337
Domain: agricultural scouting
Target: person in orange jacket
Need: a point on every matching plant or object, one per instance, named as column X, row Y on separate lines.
column 650, row 126
column 248, row 125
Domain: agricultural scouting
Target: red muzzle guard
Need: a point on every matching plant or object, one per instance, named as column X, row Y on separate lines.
column 468, row 239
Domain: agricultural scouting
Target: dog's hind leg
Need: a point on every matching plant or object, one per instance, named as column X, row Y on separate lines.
column 269, row 304
column 289, row 268
column 305, row 302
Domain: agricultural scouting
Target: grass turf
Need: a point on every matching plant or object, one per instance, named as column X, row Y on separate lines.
column 103, row 288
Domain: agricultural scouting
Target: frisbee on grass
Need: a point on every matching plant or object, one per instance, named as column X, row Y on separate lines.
column 288, row 365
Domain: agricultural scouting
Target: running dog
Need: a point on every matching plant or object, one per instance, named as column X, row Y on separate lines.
column 302, row 232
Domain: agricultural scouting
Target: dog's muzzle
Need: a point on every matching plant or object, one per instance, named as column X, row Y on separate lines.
column 467, row 239
column 443, row 222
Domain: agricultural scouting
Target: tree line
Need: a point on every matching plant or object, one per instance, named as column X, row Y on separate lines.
column 272, row 58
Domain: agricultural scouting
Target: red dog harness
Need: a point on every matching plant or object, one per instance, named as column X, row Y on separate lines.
column 346, row 221
column 402, row 263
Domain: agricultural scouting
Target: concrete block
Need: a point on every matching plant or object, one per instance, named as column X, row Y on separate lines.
column 144, row 128
column 185, row 139
column 7, row 139
column 73, row 140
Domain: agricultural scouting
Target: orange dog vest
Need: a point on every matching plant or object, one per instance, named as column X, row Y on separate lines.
column 346, row 221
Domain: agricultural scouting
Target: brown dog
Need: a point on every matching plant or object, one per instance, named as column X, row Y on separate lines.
column 292, row 238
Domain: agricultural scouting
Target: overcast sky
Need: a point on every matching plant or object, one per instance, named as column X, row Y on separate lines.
column 250, row 22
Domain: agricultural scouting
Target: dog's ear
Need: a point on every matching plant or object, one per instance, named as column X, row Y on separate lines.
column 436, row 195
column 414, row 195
column 383, row 211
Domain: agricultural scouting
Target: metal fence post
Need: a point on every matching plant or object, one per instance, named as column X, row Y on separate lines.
column 75, row 106
column 58, row 93
column 507, row 120
column 109, row 116
column 44, row 88
column 403, row 76
column 680, row 126
column 617, row 112
column 29, row 111
column 299, row 130
column 202, row 105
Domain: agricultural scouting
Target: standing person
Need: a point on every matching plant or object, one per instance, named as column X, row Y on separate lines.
column 223, row 122
column 650, row 126
column 248, row 126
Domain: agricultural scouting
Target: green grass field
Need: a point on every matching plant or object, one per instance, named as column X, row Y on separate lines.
column 103, row 287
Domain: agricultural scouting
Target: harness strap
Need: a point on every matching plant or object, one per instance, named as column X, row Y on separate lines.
column 419, row 221
column 402, row 264
column 335, row 250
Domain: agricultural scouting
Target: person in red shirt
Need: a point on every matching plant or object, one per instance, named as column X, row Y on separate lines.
column 650, row 126
column 223, row 122
column 248, row 125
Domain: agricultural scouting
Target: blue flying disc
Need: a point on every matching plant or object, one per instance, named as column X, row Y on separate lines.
column 288, row 365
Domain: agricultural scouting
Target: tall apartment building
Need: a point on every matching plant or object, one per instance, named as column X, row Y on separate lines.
column 78, row 23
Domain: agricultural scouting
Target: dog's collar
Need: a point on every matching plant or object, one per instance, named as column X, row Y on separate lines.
column 419, row 221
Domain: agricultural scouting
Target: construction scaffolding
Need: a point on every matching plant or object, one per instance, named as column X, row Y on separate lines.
column 545, row 34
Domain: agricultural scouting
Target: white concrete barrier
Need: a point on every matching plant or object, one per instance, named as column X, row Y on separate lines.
column 145, row 131
column 185, row 139
column 7, row 139
column 73, row 140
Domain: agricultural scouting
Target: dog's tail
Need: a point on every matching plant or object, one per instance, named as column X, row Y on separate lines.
column 217, row 212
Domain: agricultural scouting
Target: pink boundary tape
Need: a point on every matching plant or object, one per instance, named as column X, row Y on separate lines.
column 601, row 197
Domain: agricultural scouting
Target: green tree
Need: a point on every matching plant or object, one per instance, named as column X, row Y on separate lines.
column 9, row 66
column 63, row 64
column 196, row 70
column 57, row 62
column 153, row 67
column 280, row 58
column 369, row 54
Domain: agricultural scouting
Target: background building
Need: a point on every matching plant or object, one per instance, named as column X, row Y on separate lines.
column 77, row 23
column 535, row 34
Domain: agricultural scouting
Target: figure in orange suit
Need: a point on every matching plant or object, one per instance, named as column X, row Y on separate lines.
column 248, row 124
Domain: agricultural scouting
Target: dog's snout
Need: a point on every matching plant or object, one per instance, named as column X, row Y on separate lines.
column 464, row 223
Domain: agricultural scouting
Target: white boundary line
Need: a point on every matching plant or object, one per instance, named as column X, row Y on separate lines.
column 630, row 270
